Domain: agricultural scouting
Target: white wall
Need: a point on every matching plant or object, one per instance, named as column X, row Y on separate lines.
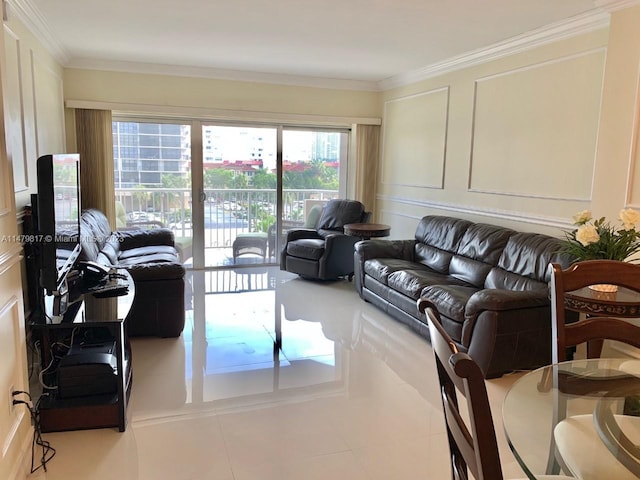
column 174, row 94
column 523, row 141
column 32, row 122
column 33, row 102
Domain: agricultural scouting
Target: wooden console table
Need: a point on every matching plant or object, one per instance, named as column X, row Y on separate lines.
column 89, row 319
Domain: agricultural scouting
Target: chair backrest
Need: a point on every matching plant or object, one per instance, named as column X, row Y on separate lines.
column 473, row 446
column 339, row 212
column 601, row 327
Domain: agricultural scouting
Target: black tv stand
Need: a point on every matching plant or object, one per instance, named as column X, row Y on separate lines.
column 102, row 401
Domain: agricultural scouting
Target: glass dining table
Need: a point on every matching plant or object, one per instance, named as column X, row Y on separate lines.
column 606, row 389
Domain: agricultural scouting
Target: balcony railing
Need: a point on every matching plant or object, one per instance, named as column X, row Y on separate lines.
column 227, row 212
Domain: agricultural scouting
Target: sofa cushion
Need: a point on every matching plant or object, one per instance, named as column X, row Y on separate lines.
column 139, row 238
column 381, row 268
column 151, row 254
column 529, row 254
column 411, row 282
column 501, row 279
column 450, row 300
column 309, row 248
column 470, row 271
column 484, row 242
column 442, row 232
column 478, row 251
column 433, row 257
column 338, row 213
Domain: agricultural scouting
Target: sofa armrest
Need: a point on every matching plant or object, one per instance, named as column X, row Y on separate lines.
column 129, row 239
column 145, row 272
column 501, row 300
column 338, row 254
column 368, row 249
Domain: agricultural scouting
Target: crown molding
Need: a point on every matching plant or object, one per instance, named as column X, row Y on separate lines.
column 614, row 5
column 31, row 17
column 549, row 33
column 222, row 74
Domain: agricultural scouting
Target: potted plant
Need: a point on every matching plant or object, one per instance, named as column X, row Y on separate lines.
column 599, row 239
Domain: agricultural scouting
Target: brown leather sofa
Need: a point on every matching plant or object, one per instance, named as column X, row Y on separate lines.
column 152, row 260
column 489, row 284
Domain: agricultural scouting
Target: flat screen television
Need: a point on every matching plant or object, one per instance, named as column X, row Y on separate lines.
column 58, row 219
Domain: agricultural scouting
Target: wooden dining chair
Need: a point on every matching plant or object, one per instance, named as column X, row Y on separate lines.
column 573, row 434
column 473, row 445
column 599, row 325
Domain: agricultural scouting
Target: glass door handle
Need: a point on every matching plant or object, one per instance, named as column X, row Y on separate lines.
column 202, row 196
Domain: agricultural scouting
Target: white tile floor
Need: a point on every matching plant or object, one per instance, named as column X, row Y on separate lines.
column 295, row 380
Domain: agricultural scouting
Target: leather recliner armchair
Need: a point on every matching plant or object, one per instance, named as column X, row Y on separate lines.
column 324, row 252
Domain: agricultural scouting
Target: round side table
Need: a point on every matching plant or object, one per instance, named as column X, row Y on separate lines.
column 367, row 230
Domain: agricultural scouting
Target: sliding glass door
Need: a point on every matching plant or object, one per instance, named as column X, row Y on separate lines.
column 238, row 194
column 228, row 192
column 153, row 179
column 312, row 172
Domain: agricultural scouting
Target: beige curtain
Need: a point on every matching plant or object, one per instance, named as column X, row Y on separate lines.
column 367, row 152
column 94, row 137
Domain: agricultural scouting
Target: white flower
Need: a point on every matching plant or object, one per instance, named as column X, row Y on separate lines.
column 629, row 217
column 582, row 217
column 587, row 234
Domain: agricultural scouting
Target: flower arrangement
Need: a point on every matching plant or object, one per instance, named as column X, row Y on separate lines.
column 600, row 240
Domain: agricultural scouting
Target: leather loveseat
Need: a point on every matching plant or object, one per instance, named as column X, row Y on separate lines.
column 489, row 284
column 152, row 260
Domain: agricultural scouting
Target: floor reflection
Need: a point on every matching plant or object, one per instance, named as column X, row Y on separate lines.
column 269, row 345
column 279, row 341
column 274, row 377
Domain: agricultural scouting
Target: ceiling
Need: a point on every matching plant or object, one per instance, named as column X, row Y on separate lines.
column 366, row 41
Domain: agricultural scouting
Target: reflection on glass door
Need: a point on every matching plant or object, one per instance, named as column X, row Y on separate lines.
column 225, row 212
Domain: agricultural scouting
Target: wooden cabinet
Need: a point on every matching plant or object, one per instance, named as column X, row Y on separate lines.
column 93, row 329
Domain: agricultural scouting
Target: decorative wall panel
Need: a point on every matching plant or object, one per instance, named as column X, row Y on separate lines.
column 14, row 110
column 535, row 129
column 414, row 139
column 634, row 180
column 49, row 115
column 12, row 344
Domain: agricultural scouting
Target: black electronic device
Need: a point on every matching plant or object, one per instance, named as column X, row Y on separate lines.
column 113, row 288
column 57, row 232
column 87, row 370
column 93, row 273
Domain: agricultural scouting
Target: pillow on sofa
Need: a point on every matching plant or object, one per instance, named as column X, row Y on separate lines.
column 338, row 213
